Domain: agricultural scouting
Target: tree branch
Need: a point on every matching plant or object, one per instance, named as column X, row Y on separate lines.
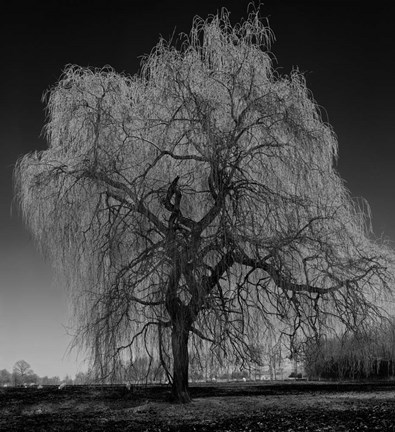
column 174, row 208
column 209, row 282
column 282, row 282
column 119, row 193
column 201, row 335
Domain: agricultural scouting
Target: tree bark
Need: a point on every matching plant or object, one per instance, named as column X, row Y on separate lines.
column 180, row 335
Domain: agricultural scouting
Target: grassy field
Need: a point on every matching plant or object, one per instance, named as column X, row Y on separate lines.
column 223, row 407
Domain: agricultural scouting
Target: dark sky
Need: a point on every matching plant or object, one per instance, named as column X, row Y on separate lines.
column 345, row 48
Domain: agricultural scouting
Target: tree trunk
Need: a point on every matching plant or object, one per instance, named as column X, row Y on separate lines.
column 179, row 339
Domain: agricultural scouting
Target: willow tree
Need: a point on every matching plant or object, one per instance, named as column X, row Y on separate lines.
column 197, row 201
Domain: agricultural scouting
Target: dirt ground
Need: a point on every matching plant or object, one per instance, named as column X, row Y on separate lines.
column 224, row 407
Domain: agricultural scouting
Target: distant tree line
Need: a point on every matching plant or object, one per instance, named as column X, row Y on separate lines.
column 141, row 370
column 22, row 374
column 368, row 355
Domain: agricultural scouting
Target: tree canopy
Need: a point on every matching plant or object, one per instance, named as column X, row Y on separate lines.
column 197, row 202
column 22, row 371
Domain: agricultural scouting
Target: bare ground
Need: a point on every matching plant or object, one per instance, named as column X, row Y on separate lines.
column 224, row 407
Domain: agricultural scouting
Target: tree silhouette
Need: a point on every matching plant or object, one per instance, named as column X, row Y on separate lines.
column 196, row 204
column 22, row 370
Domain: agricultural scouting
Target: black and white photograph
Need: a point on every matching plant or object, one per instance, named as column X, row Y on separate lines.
column 197, row 220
